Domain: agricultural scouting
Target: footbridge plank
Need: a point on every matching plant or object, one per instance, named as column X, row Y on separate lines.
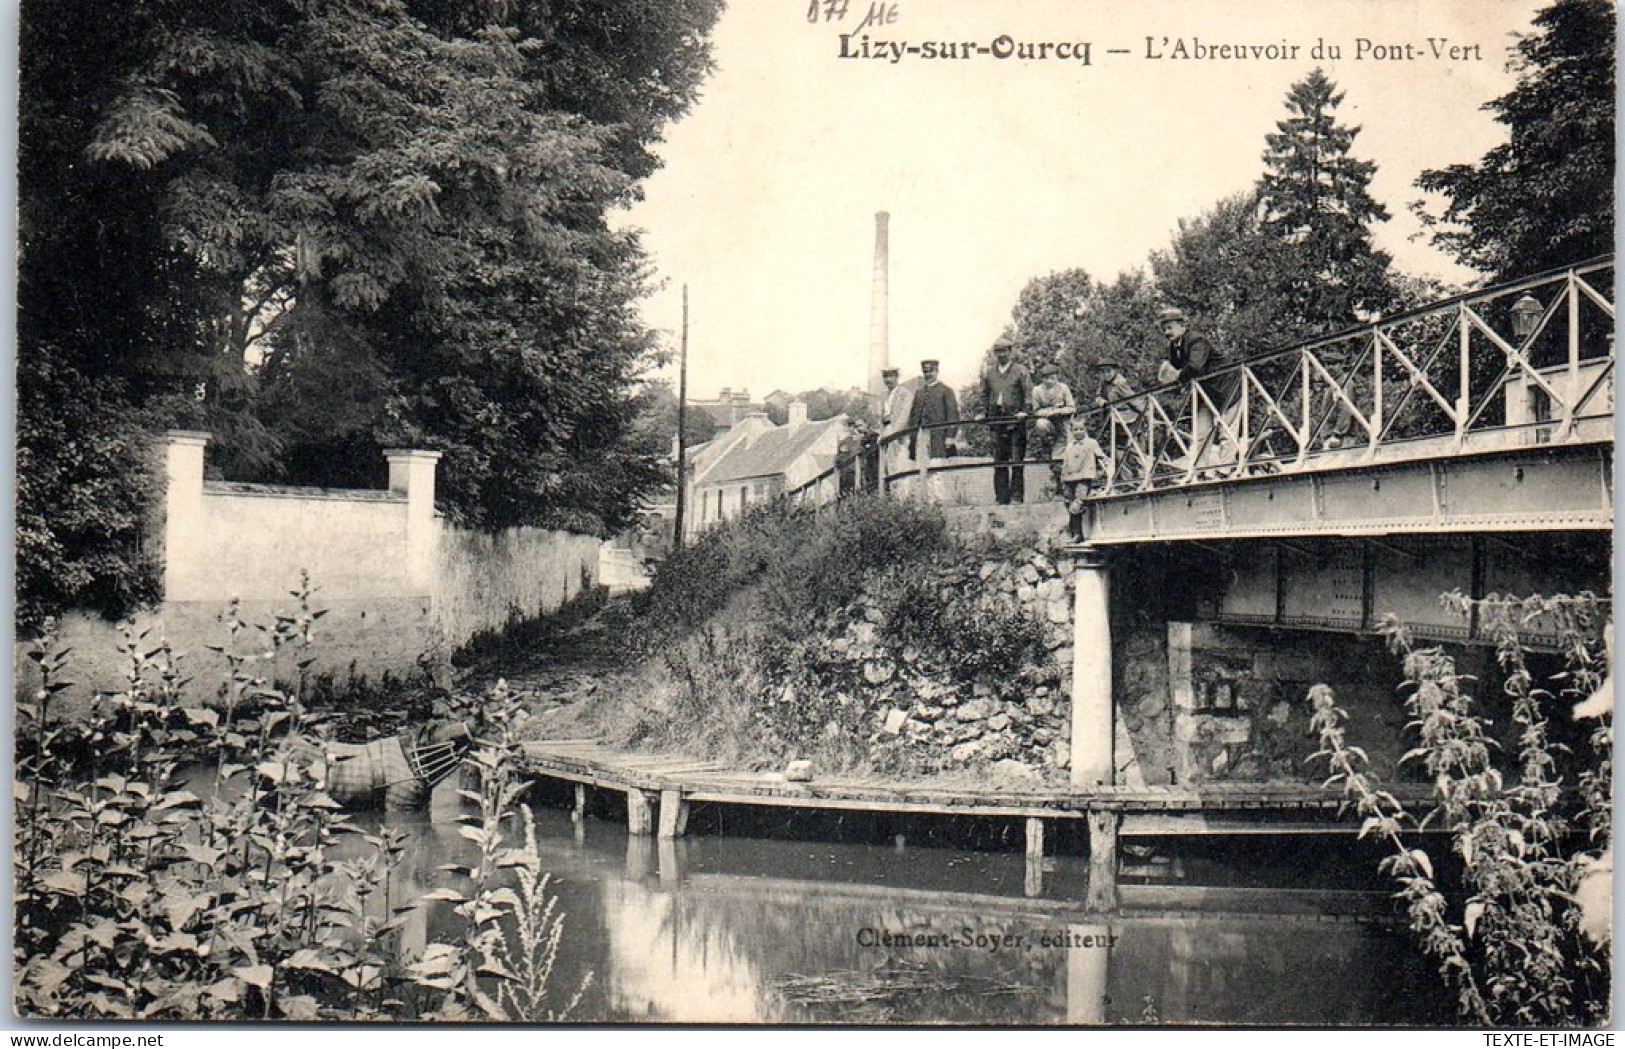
column 1262, row 808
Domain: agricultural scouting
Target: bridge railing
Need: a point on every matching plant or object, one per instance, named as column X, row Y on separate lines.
column 1522, row 364
column 1525, row 363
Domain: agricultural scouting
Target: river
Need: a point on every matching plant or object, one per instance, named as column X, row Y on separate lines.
column 741, row 930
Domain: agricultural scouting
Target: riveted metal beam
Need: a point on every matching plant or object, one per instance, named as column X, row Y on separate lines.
column 1552, row 488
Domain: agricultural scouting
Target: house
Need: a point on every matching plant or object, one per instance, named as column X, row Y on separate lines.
column 727, row 409
column 755, row 461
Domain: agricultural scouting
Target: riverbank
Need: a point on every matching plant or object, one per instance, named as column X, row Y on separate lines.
column 866, row 639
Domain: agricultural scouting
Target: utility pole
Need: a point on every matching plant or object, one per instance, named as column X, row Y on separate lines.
column 682, row 417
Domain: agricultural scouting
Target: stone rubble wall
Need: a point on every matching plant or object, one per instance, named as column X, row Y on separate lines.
column 921, row 713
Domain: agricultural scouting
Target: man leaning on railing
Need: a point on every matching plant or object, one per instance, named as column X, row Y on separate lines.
column 1193, row 358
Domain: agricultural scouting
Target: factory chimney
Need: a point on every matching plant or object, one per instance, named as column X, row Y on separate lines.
column 879, row 305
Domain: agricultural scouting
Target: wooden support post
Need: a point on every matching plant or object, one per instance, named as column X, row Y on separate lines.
column 1102, row 893
column 1035, row 838
column 637, row 812
column 579, row 813
column 671, row 814
column 1033, row 881
column 682, row 817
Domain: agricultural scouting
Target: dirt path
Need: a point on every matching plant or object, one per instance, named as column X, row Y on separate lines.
column 555, row 667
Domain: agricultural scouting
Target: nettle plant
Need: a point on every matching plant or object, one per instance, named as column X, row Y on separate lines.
column 180, row 862
column 1525, row 942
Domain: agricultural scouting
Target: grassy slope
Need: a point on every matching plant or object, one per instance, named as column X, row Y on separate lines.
column 762, row 641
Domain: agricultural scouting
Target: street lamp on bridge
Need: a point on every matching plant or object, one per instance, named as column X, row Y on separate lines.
column 1525, row 312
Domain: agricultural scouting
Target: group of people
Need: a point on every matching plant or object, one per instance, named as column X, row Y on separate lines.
column 1027, row 419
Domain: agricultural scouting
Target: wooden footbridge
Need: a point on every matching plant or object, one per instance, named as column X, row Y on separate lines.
column 660, row 789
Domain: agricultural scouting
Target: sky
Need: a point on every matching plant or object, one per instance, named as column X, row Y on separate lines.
column 997, row 170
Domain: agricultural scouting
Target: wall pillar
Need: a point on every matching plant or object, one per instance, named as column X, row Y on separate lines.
column 1182, row 695
column 1092, row 715
column 183, row 511
column 411, row 473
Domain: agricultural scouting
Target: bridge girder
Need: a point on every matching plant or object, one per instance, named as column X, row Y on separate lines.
column 1556, row 488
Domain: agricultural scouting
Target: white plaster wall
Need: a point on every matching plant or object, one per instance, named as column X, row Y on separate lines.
column 484, row 579
column 251, row 541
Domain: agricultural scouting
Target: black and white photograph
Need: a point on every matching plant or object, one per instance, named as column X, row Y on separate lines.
column 813, row 513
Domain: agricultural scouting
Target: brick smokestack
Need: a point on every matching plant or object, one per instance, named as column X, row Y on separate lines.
column 879, row 307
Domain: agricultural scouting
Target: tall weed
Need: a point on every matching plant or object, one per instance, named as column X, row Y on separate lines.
column 144, row 892
column 1517, row 951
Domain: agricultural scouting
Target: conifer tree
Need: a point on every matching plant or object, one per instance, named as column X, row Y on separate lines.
column 1316, row 205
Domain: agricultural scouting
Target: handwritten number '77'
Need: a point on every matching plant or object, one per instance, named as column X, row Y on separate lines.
column 834, row 10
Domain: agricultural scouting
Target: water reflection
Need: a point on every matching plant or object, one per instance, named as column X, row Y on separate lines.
column 711, row 929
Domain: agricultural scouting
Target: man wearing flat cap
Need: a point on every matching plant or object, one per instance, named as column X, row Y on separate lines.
column 1189, row 356
column 934, row 404
column 1006, row 396
column 1192, row 358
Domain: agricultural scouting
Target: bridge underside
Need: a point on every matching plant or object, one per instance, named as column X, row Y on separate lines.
column 1351, row 585
column 1560, row 488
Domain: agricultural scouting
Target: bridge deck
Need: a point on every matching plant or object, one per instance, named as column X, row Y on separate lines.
column 1240, row 808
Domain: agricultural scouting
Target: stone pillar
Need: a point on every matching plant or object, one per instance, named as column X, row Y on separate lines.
column 411, row 473
column 1182, row 695
column 183, row 514
column 1092, row 714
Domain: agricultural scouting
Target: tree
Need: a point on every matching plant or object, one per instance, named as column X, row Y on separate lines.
column 1317, row 211
column 1545, row 197
column 657, row 418
column 318, row 230
column 1226, row 271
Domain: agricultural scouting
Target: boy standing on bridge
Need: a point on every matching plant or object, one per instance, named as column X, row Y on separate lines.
column 1080, row 469
column 1053, row 405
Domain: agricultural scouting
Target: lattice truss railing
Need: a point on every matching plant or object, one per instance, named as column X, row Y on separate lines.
column 1528, row 362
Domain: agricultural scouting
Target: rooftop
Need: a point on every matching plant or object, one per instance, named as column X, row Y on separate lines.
column 772, row 453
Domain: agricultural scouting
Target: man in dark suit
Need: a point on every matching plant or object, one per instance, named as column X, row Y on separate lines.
column 1006, row 396
column 1192, row 358
column 934, row 402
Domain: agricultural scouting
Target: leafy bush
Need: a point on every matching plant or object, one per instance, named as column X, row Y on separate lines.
column 1522, row 949
column 805, row 560
column 750, row 632
column 86, row 480
column 978, row 633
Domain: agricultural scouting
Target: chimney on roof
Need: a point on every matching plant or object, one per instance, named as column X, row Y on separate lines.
column 798, row 414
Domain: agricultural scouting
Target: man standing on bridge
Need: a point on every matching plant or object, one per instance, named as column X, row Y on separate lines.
column 934, row 403
column 894, row 420
column 1192, row 358
column 1007, row 388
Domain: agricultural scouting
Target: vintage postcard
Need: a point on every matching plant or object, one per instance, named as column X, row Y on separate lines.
column 815, row 512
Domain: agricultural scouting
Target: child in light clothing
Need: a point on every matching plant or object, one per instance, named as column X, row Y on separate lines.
column 1080, row 468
